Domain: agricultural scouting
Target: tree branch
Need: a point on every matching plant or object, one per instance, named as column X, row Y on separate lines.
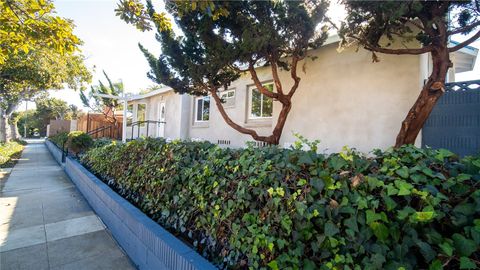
column 411, row 51
column 399, row 51
column 293, row 74
column 230, row 122
column 258, row 84
column 276, row 79
column 465, row 43
column 463, row 29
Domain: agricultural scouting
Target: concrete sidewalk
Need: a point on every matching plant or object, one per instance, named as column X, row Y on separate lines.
column 45, row 223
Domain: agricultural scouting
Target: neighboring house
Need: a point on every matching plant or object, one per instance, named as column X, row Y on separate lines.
column 343, row 99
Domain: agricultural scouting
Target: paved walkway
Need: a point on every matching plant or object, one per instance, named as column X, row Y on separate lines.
column 45, row 223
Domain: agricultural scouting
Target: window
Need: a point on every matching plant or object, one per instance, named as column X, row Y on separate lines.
column 202, row 109
column 260, row 105
column 228, row 98
column 141, row 113
column 129, row 114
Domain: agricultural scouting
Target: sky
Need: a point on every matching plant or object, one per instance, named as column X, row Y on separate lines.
column 111, row 45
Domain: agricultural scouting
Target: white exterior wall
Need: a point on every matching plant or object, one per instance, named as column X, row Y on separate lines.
column 343, row 99
column 174, row 109
column 216, row 128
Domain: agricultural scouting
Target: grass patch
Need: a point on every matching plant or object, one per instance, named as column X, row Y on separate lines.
column 10, row 153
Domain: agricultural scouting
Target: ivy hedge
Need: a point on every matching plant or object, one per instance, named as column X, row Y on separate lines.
column 75, row 142
column 59, row 139
column 271, row 208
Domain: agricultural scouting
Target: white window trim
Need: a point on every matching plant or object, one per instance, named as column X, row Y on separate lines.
column 133, row 114
column 136, row 113
column 195, row 102
column 249, row 112
column 223, row 93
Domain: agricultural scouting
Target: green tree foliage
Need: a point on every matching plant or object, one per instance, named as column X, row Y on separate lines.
column 150, row 88
column 32, row 24
column 28, row 121
column 75, row 112
column 38, row 52
column 273, row 208
column 413, row 28
column 215, row 50
column 28, row 74
column 134, row 12
column 47, row 109
column 105, row 105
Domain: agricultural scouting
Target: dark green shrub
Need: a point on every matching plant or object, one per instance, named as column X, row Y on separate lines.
column 102, row 142
column 59, row 139
column 272, row 208
column 78, row 142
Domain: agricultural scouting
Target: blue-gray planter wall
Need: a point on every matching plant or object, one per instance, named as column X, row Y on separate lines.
column 55, row 151
column 147, row 244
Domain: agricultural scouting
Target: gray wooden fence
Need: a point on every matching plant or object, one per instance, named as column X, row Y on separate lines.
column 454, row 123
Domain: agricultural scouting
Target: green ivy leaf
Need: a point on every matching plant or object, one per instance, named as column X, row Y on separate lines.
column 273, row 265
column 403, row 172
column 426, row 250
column 424, row 216
column 370, row 216
column 330, row 229
column 476, row 162
column 446, row 248
column 405, row 212
column 391, row 190
column 317, row 183
column 309, row 265
column 464, row 246
column 351, row 223
column 466, row 263
column 443, row 153
column 404, row 188
column 435, row 265
column 380, row 230
column 390, row 203
column 305, row 159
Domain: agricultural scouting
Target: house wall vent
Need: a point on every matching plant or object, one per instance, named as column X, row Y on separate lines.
column 223, row 142
column 258, row 143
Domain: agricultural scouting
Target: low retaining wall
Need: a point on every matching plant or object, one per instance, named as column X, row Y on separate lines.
column 147, row 244
column 55, row 151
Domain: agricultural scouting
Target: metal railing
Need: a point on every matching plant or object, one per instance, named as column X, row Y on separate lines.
column 146, row 124
column 462, row 86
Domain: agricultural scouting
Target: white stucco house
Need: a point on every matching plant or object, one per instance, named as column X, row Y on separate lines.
column 343, row 99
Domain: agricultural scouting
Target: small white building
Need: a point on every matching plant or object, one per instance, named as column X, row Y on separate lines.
column 343, row 99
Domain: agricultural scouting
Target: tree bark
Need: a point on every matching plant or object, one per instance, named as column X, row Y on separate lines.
column 3, row 126
column 430, row 94
column 14, row 135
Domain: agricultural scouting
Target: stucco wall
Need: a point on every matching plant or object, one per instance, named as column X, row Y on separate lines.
column 173, row 112
column 216, row 128
column 343, row 99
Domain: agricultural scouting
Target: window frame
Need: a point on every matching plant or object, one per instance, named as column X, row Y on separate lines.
column 250, row 97
column 145, row 113
column 226, row 92
column 195, row 109
column 130, row 118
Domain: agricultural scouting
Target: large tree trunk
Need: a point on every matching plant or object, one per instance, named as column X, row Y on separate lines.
column 3, row 126
column 430, row 94
column 14, row 135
